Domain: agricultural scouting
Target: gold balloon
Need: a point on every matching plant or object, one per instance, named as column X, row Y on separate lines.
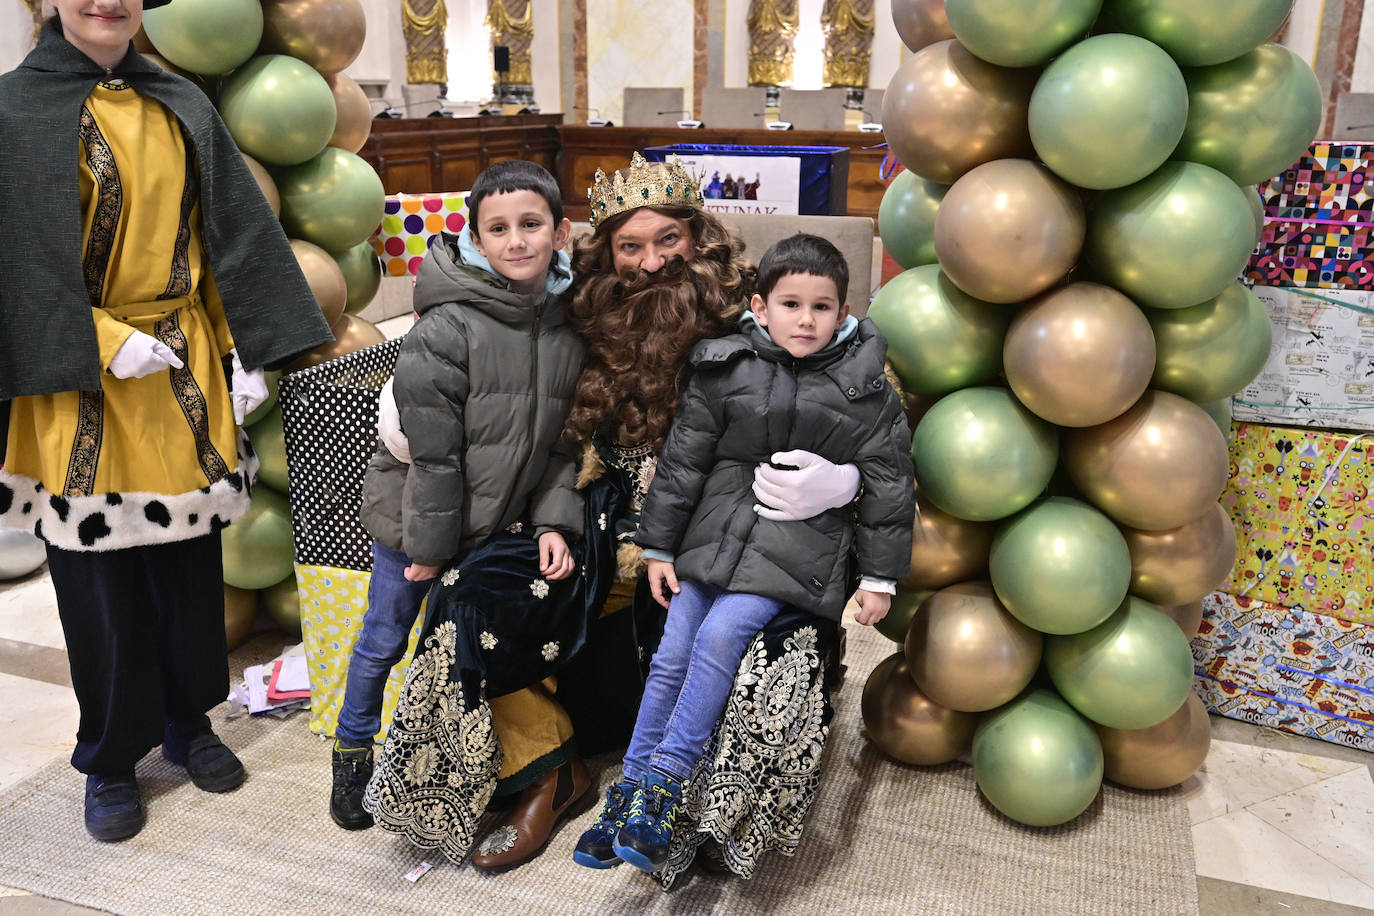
column 1182, row 564
column 1159, row 465
column 326, row 34
column 945, row 111
column 967, row 653
column 905, row 724
column 283, row 604
column 946, row 549
column 1162, row 755
column 1080, row 355
column 354, row 123
column 1008, row 230
column 265, row 181
column 350, row 335
column 1187, row 616
column 325, row 278
column 905, row 603
column 240, row 607
column 921, row 22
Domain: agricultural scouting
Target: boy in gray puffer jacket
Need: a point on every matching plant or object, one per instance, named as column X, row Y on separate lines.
column 800, row 375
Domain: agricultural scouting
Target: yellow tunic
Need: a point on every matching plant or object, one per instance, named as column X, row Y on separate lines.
column 166, row 443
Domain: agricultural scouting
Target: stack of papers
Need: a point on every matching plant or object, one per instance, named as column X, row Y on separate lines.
column 277, row 688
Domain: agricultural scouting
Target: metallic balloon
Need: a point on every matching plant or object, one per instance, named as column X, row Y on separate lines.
column 326, row 34
column 258, row 550
column 945, row 111
column 1256, row 202
column 205, row 36
column 278, row 110
column 1037, row 761
column 1162, row 755
column 1060, row 566
column 1008, row 230
column 1175, row 239
column 966, row 652
column 334, row 200
column 1013, row 33
column 906, row 219
column 21, row 552
column 1108, row 111
column 921, row 22
column 905, row 724
column 265, row 182
column 917, row 406
column 1213, row 350
column 1198, row 34
column 283, row 604
column 240, row 609
column 270, row 444
column 1252, row 117
column 1079, row 355
column 353, row 113
column 350, row 335
column 324, row 277
column 981, row 456
column 946, row 549
column 1133, row 670
column 1182, row 564
column 939, row 338
column 362, row 272
column 1159, row 465
column 1188, row 617
column 904, row 606
column 1220, row 412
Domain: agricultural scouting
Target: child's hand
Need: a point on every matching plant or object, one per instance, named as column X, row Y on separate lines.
column 873, row 606
column 555, row 559
column 661, row 573
column 418, row 573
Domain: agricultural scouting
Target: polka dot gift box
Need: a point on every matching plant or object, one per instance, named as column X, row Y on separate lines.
column 411, row 223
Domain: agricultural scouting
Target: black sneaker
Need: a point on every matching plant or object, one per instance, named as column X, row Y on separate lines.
column 114, row 808
column 352, row 770
column 211, row 766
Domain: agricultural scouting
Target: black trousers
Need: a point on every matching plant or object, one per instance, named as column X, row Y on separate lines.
column 145, row 639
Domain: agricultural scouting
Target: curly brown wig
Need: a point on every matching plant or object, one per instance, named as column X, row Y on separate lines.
column 640, row 328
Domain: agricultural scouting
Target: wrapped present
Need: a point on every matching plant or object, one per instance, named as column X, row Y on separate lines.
column 411, row 223
column 1310, row 674
column 1304, row 516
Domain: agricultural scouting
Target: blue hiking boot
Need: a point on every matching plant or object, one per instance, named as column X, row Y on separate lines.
column 654, row 810
column 594, row 849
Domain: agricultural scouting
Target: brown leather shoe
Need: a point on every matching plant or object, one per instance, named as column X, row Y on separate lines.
column 528, row 826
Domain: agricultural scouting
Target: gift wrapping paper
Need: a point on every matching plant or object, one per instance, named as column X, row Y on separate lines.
column 411, row 223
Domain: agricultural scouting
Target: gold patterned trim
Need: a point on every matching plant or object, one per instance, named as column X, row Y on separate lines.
column 187, row 391
column 516, row 33
column 426, row 53
column 108, row 206
column 848, row 29
column 90, row 429
column 179, row 283
column 772, row 28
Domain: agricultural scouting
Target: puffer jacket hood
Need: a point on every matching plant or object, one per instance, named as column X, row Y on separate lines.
column 455, row 271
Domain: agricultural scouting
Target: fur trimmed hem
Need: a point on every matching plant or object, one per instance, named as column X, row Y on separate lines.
column 115, row 521
column 590, row 468
column 629, row 561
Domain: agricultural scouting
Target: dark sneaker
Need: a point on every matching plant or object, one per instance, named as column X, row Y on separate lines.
column 114, row 808
column 649, row 823
column 352, row 770
column 211, row 766
column 596, row 847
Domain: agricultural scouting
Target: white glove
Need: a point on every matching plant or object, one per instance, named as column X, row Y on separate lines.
column 249, row 388
column 816, row 485
column 389, row 424
column 142, row 354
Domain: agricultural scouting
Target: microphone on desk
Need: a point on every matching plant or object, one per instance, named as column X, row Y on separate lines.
column 870, row 126
column 391, row 111
column 772, row 125
column 685, row 123
column 596, row 121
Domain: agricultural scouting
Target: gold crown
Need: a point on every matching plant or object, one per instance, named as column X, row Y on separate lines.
column 643, row 184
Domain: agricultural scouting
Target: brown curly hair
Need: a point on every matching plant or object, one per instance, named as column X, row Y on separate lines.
column 640, row 328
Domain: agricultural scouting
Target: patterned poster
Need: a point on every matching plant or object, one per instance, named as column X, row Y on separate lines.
column 411, row 223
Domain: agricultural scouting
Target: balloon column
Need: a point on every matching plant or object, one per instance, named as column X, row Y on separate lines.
column 1072, row 221
column 274, row 68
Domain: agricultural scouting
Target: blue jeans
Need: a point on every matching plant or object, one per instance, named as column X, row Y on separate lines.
column 393, row 603
column 689, row 680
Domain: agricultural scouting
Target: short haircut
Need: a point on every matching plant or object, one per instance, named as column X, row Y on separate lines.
column 514, row 175
column 803, row 254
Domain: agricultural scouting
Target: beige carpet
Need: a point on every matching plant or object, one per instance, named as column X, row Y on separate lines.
column 882, row 838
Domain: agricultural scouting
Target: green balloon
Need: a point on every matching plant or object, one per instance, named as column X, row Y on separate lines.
column 263, row 409
column 270, row 445
column 1037, row 761
column 283, row 604
column 939, row 338
column 1256, row 202
column 1133, row 670
column 279, row 110
column 205, row 36
column 1199, row 33
column 904, row 606
column 906, row 219
column 1108, row 111
column 1220, row 412
column 1060, row 566
column 257, row 548
column 1212, row 350
column 1252, row 117
column 1176, row 239
column 1017, row 33
column 335, row 200
column 981, row 456
column 362, row 271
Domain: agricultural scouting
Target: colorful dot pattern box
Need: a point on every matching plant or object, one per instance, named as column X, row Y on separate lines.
column 411, row 223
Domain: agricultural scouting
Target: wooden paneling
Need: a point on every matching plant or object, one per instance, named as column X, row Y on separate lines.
column 425, row 155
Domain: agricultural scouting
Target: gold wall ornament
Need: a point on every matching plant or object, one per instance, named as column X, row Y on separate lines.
column 772, row 36
column 516, row 33
column 424, row 22
column 847, row 26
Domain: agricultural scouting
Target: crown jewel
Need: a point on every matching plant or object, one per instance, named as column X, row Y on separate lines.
column 643, row 184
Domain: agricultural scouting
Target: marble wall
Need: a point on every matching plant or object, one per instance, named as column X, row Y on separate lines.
column 630, row 43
